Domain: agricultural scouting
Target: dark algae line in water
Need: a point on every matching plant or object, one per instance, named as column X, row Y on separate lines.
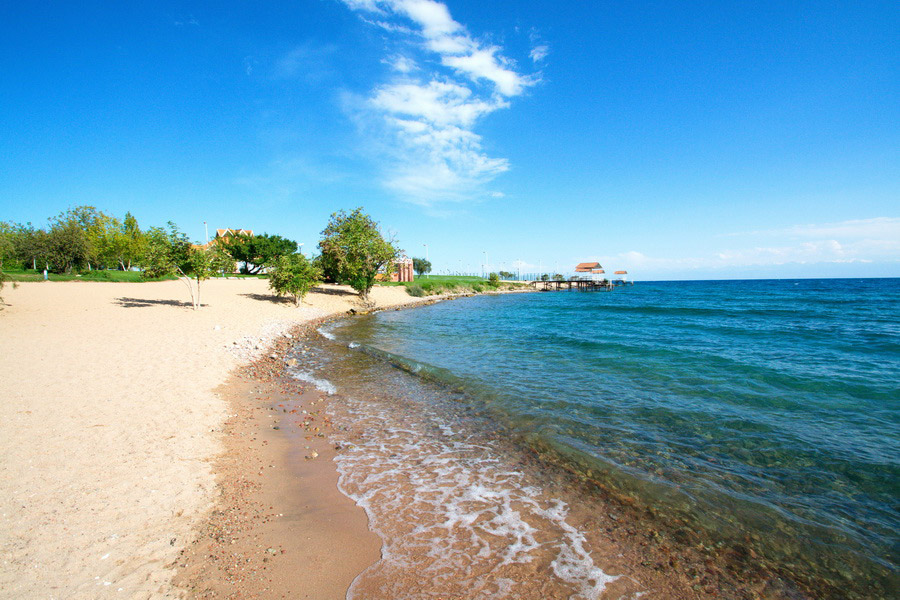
column 756, row 421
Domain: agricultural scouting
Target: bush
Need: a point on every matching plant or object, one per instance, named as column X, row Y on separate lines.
column 415, row 290
column 293, row 275
column 477, row 288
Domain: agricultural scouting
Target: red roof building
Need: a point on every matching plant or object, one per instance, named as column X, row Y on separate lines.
column 587, row 267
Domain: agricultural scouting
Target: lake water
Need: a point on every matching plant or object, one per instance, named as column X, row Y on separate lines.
column 761, row 415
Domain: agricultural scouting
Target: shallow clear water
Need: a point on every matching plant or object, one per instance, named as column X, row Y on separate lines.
column 765, row 413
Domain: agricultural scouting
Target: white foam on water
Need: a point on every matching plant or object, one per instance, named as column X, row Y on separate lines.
column 326, row 334
column 323, row 385
column 352, row 344
column 452, row 518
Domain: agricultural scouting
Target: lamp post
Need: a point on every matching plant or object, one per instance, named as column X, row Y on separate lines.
column 206, row 229
column 426, row 258
column 300, row 249
column 485, row 268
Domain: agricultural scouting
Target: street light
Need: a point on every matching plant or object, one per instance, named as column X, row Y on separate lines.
column 426, row 258
column 300, row 249
column 206, row 229
column 485, row 268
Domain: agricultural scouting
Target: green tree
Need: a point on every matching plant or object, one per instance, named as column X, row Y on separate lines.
column 68, row 247
column 202, row 263
column 558, row 277
column 545, row 277
column 421, row 266
column 168, row 251
column 257, row 251
column 92, row 247
column 29, row 245
column 355, row 250
column 493, row 280
column 7, row 243
column 506, row 275
column 294, row 275
column 127, row 244
column 7, row 250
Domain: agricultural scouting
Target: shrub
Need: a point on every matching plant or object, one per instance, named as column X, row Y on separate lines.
column 415, row 290
column 293, row 275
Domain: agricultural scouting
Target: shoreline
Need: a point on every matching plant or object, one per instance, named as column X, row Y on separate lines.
column 113, row 419
column 111, row 424
column 280, row 522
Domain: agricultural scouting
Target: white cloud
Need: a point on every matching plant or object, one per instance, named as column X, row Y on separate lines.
column 539, row 53
column 439, row 103
column 427, row 134
column 401, row 64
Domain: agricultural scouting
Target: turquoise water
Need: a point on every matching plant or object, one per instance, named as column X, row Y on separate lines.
column 765, row 413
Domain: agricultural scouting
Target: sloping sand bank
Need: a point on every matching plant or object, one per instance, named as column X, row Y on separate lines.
column 109, row 424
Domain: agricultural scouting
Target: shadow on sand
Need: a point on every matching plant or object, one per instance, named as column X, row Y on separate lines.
column 145, row 302
column 333, row 291
column 269, row 298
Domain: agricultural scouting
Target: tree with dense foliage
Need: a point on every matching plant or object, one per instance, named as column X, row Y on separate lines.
column 127, row 244
column 545, row 277
column 68, row 246
column 167, row 251
column 421, row 266
column 32, row 246
column 494, row 279
column 90, row 247
column 558, row 277
column 257, row 251
column 506, row 275
column 355, row 251
column 294, row 275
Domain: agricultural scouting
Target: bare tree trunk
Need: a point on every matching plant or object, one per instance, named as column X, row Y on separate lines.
column 187, row 281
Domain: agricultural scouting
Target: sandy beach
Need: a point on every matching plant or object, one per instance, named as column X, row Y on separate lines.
column 111, row 422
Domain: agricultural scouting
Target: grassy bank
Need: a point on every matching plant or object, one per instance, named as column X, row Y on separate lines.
column 100, row 275
column 435, row 285
column 96, row 275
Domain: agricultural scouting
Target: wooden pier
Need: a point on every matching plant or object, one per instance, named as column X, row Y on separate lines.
column 586, row 285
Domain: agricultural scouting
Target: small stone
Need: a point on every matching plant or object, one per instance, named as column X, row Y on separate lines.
column 271, row 550
column 312, row 455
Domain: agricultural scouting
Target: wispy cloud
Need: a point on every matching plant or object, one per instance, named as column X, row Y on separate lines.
column 539, row 50
column 444, row 81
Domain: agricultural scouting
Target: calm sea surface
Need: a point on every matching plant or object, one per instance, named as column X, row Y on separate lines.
column 760, row 412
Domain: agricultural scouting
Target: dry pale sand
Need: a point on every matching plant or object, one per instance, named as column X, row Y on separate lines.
column 109, row 424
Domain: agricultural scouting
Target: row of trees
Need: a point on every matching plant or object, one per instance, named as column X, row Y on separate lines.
column 352, row 251
column 80, row 238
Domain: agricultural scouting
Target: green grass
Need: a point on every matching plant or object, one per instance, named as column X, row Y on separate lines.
column 96, row 275
column 434, row 285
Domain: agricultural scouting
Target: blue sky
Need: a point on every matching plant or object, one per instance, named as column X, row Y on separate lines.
column 676, row 140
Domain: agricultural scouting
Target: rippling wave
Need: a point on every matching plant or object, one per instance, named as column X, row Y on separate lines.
column 755, row 410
